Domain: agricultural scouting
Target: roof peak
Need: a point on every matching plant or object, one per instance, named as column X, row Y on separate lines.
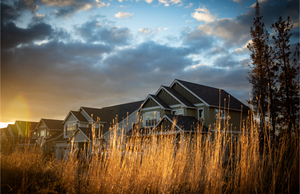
column 198, row 84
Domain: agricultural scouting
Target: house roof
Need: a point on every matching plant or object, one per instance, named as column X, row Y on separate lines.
column 53, row 124
column 55, row 136
column 186, row 123
column 26, row 126
column 13, row 129
column 183, row 100
column 79, row 116
column 5, row 131
column 210, row 95
column 136, row 131
column 158, row 100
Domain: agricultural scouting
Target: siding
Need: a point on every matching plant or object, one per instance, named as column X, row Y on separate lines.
column 150, row 103
column 167, row 98
column 164, row 126
column 186, row 94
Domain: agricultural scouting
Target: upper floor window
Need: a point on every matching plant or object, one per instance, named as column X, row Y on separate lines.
column 150, row 118
column 70, row 129
column 43, row 133
column 200, row 113
column 220, row 114
column 178, row 112
column 34, row 134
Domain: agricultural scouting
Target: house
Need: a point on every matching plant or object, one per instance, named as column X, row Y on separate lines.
column 184, row 106
column 81, row 125
column 5, row 135
column 45, row 132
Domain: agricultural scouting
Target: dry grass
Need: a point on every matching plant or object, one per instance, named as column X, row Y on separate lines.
column 198, row 166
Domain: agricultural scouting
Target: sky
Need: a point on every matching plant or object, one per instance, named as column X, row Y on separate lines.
column 58, row 55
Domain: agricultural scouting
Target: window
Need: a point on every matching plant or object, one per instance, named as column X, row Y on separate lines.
column 150, row 118
column 200, row 113
column 220, row 115
column 47, row 133
column 44, row 147
column 53, row 147
column 178, row 112
column 70, row 129
column 42, row 133
column 34, row 134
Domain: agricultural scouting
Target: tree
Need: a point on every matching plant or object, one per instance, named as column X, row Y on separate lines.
column 287, row 63
column 260, row 58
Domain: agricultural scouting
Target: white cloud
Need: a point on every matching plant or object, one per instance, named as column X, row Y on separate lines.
column 164, row 2
column 188, row 21
column 202, row 14
column 189, row 6
column 175, row 1
column 159, row 29
column 184, row 16
column 144, row 30
column 39, row 15
column 149, row 1
column 99, row 3
column 123, row 15
column 120, row 1
column 166, row 28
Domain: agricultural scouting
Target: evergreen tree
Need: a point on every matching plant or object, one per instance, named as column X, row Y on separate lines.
column 258, row 74
column 287, row 63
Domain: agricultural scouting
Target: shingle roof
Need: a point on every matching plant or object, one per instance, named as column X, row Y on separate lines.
column 211, row 95
column 186, row 123
column 14, row 129
column 179, row 97
column 162, row 103
column 26, row 126
column 108, row 114
column 79, row 116
column 5, row 131
column 55, row 136
column 53, row 124
column 136, row 131
column 88, row 132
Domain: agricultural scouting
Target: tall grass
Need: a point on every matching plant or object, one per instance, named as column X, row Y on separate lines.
column 198, row 165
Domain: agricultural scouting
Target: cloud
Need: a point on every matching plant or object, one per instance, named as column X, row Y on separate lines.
column 123, row 15
column 188, row 21
column 144, row 30
column 105, row 33
column 149, row 1
column 100, row 3
column 189, row 6
column 70, row 10
column 202, row 14
column 13, row 36
column 168, row 2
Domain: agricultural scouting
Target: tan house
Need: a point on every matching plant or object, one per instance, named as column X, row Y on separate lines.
column 184, row 106
column 45, row 132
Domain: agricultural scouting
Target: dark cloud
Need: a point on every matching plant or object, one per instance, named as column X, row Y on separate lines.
column 236, row 31
column 225, row 61
column 96, row 31
column 8, row 13
column 13, row 36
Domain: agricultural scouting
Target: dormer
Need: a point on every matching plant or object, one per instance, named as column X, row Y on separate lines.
column 72, row 121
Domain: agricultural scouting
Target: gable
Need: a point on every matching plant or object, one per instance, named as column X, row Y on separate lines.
column 71, row 118
column 186, row 94
column 79, row 137
column 150, row 103
column 167, row 98
column 41, row 125
column 165, row 126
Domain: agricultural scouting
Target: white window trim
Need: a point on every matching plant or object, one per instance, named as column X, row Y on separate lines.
column 202, row 113
column 176, row 111
column 223, row 112
column 155, row 113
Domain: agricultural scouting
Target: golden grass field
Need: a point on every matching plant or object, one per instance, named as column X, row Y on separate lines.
column 196, row 166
